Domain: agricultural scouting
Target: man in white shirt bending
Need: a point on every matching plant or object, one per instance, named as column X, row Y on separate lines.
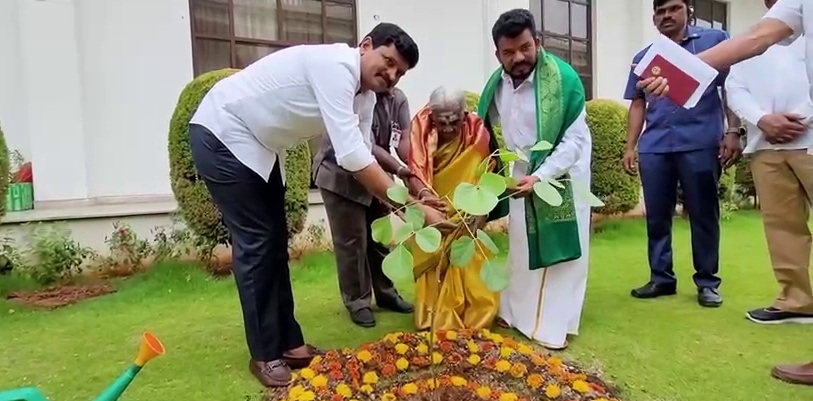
column 238, row 137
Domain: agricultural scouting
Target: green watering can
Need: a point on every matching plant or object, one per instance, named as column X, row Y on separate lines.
column 150, row 348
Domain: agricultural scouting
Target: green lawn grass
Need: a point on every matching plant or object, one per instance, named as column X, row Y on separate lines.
column 664, row 350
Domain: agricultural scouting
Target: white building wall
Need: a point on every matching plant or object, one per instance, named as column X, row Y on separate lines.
column 89, row 86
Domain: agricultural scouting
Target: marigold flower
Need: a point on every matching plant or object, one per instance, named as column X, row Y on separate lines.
column 554, row 361
column 437, row 358
column 497, row 339
column 503, row 366
column 389, row 397
column 538, row 360
column 306, row 396
column 553, row 391
column 389, row 370
column 319, row 381
column 410, row 389
column 431, row 383
column 307, row 373
column 336, row 374
column 370, row 378
column 364, row 356
column 580, row 386
column 296, row 391
column 422, row 348
column 535, row 381
column 518, row 370
column 451, row 335
column 505, row 352
column 366, row 388
column 344, row 390
column 483, row 392
column 459, row 381
column 401, row 348
column 508, row 397
column 473, row 347
column 402, row 364
column 474, row 359
column 316, row 359
column 525, row 350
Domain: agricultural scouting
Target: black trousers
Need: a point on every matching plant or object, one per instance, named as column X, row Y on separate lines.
column 254, row 212
column 358, row 256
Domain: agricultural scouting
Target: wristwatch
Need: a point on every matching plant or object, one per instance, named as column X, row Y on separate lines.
column 740, row 132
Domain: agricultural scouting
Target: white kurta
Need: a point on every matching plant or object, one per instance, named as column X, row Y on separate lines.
column 544, row 304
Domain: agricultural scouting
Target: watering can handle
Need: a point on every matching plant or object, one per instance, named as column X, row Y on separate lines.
column 22, row 394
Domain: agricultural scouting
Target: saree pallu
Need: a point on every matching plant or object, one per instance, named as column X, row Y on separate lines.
column 458, row 296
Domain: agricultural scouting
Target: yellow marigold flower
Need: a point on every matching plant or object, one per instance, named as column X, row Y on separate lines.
column 518, row 370
column 437, row 358
column 295, row 392
column 294, row 376
column 316, row 359
column 422, row 348
column 508, row 397
column 503, row 366
column 497, row 339
column 410, row 389
column 364, row 356
column 486, row 333
column 401, row 348
column 553, row 391
column 474, row 359
column 459, row 381
column 451, row 335
column 344, row 390
column 307, row 373
column 581, row 386
column 538, row 360
column 389, row 397
column 392, row 337
column 366, row 388
column 554, row 361
column 473, row 347
column 505, row 352
column 483, row 392
column 535, row 381
column 319, row 381
column 402, row 364
column 370, row 378
column 525, row 350
column 431, row 383
column 306, row 396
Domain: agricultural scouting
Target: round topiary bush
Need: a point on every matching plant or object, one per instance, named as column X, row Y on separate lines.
column 619, row 191
column 195, row 203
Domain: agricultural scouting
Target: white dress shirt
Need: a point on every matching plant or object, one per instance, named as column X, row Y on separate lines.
column 792, row 13
column 287, row 97
column 516, row 112
column 774, row 82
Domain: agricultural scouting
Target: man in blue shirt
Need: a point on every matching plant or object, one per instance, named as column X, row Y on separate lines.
column 686, row 146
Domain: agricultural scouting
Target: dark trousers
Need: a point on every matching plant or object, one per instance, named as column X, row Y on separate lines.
column 358, row 256
column 254, row 213
column 698, row 173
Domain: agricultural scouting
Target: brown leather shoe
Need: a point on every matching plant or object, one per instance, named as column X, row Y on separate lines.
column 271, row 374
column 794, row 374
column 301, row 362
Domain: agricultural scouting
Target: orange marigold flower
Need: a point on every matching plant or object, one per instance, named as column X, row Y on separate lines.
column 538, row 360
column 336, row 374
column 508, row 397
column 410, row 389
column 581, row 386
column 554, row 361
column 510, row 342
column 518, row 370
column 486, row 347
column 333, row 354
column 446, row 346
column 334, row 365
column 483, row 392
column 454, row 359
column 336, row 397
column 401, row 348
column 553, row 391
column 389, row 370
column 597, row 388
column 535, row 381
column 402, row 364
column 465, row 333
column 503, row 366
column 370, row 378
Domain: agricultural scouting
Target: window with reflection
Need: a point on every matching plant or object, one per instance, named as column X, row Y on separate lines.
column 236, row 33
column 710, row 14
column 566, row 29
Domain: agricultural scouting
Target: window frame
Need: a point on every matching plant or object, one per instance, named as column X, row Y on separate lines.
column 712, row 3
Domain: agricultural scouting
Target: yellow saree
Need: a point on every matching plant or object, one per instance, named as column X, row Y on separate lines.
column 464, row 301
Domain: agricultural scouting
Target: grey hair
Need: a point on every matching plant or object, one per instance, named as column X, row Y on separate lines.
column 448, row 99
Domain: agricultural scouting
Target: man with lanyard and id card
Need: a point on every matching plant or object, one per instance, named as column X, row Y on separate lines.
column 351, row 209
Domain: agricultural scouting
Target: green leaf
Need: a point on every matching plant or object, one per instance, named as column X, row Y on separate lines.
column 521, row 155
column 542, row 145
column 556, row 183
column 428, row 239
column 483, row 237
column 402, row 233
column 382, row 230
column 398, row 264
column 508, row 157
column 414, row 216
column 548, row 193
column 495, row 275
column 462, row 252
column 511, row 182
column 482, row 167
column 493, row 183
column 474, row 200
column 398, row 194
column 584, row 193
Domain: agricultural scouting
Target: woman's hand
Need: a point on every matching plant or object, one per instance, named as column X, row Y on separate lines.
column 428, row 198
column 437, row 219
column 475, row 223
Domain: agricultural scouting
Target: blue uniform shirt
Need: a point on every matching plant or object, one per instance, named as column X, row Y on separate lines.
column 670, row 127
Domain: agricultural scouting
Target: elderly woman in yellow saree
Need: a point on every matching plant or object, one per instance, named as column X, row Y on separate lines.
column 447, row 146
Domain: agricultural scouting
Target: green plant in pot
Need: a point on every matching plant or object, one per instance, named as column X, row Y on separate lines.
column 20, row 195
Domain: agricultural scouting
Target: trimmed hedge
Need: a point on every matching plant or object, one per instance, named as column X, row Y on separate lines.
column 195, row 203
column 620, row 192
column 4, row 172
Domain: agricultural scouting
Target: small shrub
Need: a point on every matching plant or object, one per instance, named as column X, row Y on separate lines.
column 745, row 190
column 127, row 252
column 10, row 257
column 53, row 255
column 195, row 203
column 5, row 171
column 620, row 192
column 171, row 243
column 313, row 239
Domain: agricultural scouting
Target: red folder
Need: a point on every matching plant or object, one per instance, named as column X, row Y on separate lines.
column 681, row 84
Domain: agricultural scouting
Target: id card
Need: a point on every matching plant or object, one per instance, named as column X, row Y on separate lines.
column 395, row 137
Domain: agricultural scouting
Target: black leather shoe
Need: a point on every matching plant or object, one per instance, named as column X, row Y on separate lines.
column 363, row 317
column 652, row 290
column 709, row 298
column 397, row 305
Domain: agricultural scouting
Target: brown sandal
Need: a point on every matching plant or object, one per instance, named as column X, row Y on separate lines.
column 301, row 362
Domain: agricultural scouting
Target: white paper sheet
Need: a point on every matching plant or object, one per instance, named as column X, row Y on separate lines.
column 685, row 61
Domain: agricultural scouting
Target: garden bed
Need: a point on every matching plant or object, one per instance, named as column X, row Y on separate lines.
column 462, row 366
column 58, row 296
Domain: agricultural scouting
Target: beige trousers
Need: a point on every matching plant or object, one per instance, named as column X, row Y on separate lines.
column 784, row 186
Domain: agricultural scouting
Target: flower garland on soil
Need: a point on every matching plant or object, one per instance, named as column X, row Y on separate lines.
column 462, row 366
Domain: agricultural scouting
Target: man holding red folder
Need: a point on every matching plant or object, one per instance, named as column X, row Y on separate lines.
column 685, row 146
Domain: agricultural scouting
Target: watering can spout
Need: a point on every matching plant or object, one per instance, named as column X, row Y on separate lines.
column 150, row 348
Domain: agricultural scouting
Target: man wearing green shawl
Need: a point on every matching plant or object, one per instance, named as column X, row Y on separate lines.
column 536, row 96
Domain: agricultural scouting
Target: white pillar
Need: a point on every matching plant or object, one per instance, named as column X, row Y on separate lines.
column 12, row 109
column 53, row 98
